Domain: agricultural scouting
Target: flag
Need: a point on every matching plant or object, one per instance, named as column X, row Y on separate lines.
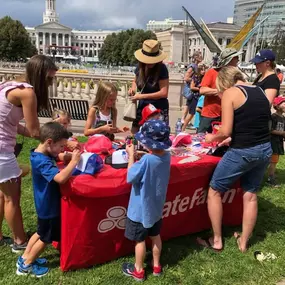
column 237, row 41
column 206, row 38
column 209, row 33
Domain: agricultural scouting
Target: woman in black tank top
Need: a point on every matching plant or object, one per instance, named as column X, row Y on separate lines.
column 245, row 120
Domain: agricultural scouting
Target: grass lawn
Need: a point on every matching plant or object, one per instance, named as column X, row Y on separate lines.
column 184, row 262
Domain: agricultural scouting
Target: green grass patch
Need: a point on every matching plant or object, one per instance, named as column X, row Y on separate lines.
column 184, row 262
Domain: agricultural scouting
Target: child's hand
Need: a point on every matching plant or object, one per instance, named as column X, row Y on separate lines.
column 72, row 145
column 109, row 129
column 130, row 149
column 76, row 154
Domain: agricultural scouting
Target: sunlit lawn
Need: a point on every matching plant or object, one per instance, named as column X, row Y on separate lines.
column 184, row 262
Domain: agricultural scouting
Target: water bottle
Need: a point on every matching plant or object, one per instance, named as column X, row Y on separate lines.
column 178, row 126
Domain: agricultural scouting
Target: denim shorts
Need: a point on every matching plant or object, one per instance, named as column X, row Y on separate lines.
column 247, row 165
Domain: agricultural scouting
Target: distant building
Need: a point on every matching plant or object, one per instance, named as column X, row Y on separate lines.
column 168, row 23
column 172, row 41
column 275, row 9
column 51, row 36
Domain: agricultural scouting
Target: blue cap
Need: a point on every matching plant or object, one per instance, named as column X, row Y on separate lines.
column 263, row 55
column 154, row 134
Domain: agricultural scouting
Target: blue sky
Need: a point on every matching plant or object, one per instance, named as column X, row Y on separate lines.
column 115, row 14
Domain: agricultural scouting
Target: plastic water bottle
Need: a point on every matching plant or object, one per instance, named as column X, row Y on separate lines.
column 178, row 126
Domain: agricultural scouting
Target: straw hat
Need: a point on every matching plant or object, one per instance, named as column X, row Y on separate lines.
column 227, row 55
column 150, row 53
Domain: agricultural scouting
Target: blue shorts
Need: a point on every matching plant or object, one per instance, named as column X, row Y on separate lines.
column 247, row 165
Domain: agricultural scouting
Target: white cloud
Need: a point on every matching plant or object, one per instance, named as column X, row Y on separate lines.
column 115, row 14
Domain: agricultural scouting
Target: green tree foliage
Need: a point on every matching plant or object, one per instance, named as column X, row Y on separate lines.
column 278, row 44
column 15, row 43
column 118, row 49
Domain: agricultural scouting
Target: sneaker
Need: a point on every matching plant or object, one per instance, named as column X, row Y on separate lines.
column 38, row 261
column 18, row 248
column 156, row 270
column 32, row 270
column 130, row 270
column 6, row 240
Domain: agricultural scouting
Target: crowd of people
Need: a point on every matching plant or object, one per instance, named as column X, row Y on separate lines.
column 219, row 94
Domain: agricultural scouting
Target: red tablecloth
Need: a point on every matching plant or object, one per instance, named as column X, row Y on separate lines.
column 94, row 211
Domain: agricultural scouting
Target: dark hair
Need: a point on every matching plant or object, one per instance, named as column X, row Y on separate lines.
column 278, row 70
column 54, row 131
column 152, row 72
column 37, row 69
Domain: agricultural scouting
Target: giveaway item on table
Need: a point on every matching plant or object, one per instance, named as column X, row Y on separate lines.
column 90, row 163
column 190, row 158
column 118, row 159
column 215, row 127
column 181, row 139
column 98, row 144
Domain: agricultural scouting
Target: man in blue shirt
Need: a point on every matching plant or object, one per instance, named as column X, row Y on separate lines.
column 149, row 178
column 46, row 180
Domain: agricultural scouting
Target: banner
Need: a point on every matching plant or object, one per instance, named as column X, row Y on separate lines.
column 208, row 41
column 237, row 41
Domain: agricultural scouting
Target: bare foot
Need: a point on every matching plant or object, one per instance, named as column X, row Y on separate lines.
column 209, row 243
column 241, row 247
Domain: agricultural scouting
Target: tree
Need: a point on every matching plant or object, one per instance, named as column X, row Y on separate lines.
column 15, row 43
column 278, row 43
column 118, row 49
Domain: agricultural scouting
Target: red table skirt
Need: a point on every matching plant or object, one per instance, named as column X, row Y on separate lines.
column 94, row 211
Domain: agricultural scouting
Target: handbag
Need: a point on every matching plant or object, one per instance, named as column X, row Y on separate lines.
column 130, row 110
column 187, row 92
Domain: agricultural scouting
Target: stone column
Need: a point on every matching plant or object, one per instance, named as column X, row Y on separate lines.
column 37, row 42
column 57, row 44
column 69, row 40
column 44, row 43
column 50, row 39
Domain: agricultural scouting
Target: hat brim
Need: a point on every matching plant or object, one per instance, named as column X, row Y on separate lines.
column 226, row 61
column 108, row 161
column 257, row 60
column 151, row 143
column 150, row 59
column 142, row 121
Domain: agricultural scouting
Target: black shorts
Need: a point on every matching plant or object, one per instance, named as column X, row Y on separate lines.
column 49, row 229
column 137, row 232
column 192, row 104
column 206, row 124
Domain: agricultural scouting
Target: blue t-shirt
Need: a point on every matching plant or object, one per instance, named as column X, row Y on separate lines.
column 150, row 177
column 46, row 190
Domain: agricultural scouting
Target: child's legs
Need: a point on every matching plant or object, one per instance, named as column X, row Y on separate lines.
column 184, row 112
column 272, row 166
column 31, row 243
column 154, row 234
column 13, row 214
column 35, row 252
column 156, row 250
column 140, row 251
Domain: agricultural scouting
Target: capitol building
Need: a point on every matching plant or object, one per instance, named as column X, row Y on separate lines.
column 54, row 39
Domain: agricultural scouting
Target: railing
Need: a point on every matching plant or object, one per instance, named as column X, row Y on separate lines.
column 84, row 86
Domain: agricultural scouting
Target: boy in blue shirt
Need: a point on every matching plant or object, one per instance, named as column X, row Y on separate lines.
column 46, row 180
column 149, row 178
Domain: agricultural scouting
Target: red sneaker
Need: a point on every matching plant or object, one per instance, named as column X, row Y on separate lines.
column 130, row 270
column 157, row 270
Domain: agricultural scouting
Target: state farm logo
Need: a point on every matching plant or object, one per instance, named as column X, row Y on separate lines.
column 116, row 218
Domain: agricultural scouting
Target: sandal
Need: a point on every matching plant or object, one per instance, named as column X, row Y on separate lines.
column 205, row 243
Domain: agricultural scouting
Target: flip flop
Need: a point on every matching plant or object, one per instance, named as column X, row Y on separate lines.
column 207, row 244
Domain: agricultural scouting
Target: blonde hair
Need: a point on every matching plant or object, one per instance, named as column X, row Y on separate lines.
column 105, row 89
column 56, row 113
column 228, row 76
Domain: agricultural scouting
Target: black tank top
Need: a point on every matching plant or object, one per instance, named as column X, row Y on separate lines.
column 251, row 120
